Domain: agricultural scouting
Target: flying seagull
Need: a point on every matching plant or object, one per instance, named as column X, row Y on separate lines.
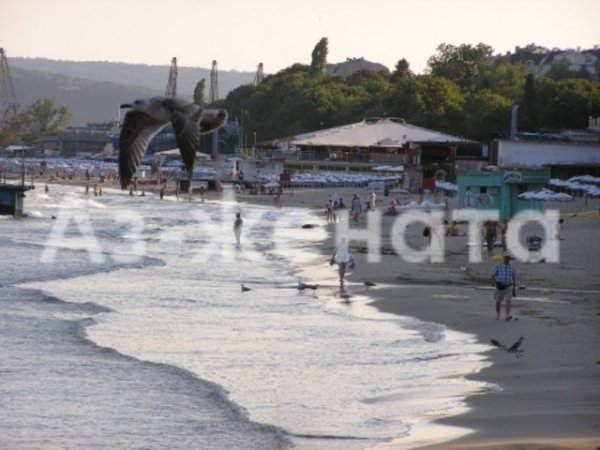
column 497, row 344
column 146, row 117
column 515, row 348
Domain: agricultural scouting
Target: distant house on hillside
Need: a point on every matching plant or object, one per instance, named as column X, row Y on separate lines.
column 539, row 60
column 353, row 65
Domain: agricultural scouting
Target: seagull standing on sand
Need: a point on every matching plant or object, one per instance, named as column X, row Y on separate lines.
column 147, row 117
column 302, row 286
column 369, row 284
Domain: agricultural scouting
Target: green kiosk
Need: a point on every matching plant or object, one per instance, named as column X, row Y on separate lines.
column 499, row 190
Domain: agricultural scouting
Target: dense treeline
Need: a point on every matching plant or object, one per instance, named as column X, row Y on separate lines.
column 43, row 117
column 466, row 92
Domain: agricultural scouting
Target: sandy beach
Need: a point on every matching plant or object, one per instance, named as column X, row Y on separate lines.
column 549, row 398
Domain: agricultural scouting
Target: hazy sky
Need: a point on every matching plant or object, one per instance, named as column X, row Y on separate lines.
column 241, row 33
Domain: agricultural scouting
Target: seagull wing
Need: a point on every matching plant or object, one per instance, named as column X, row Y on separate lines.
column 212, row 119
column 187, row 135
column 137, row 132
column 188, row 128
column 516, row 345
column 497, row 343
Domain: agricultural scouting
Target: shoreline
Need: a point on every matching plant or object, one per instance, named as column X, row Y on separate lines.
column 549, row 397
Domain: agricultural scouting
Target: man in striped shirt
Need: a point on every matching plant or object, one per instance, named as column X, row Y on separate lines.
column 504, row 278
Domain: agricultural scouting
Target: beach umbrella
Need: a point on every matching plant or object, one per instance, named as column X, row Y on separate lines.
column 585, row 179
column 546, row 195
column 381, row 168
column 446, row 186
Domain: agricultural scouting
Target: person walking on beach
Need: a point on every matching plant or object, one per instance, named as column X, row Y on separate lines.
column 504, row 278
column 340, row 257
column 356, row 207
column 489, row 227
column 237, row 228
column 372, row 200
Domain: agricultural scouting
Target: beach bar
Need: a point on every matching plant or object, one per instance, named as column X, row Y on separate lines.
column 500, row 190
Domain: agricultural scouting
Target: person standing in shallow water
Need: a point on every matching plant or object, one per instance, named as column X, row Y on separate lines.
column 340, row 257
column 237, row 228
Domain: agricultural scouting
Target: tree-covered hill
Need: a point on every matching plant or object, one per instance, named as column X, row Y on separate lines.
column 93, row 90
column 467, row 91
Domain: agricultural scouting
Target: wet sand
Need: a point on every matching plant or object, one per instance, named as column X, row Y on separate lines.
column 549, row 397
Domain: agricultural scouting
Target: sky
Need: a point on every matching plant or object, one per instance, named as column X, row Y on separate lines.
column 240, row 34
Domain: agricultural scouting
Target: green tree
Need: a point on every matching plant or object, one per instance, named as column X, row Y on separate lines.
column 45, row 117
column 402, row 69
column 528, row 120
column 14, row 131
column 462, row 64
column 370, row 90
column 502, row 77
column 200, row 93
column 488, row 113
column 567, row 104
column 42, row 117
column 319, row 56
column 428, row 101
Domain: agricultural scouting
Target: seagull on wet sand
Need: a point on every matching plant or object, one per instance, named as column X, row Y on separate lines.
column 245, row 289
column 368, row 283
column 302, row 286
column 146, row 117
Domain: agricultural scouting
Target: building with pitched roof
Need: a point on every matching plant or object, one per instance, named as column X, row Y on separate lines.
column 426, row 154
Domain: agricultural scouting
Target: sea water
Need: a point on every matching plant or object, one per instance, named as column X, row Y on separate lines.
column 123, row 324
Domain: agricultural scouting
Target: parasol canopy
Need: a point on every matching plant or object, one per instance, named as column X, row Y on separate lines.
column 546, row 195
